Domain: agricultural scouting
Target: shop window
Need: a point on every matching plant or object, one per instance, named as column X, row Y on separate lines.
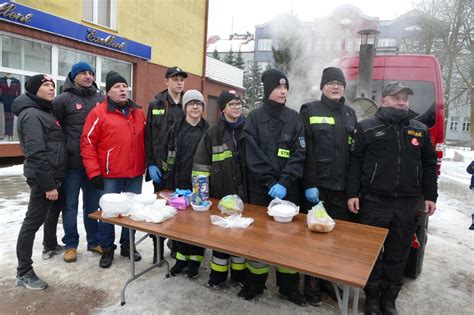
column 25, row 55
column 124, row 69
column 466, row 124
column 101, row 12
column 67, row 58
column 11, row 86
column 349, row 45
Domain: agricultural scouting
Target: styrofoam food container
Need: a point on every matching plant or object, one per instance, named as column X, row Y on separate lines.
column 283, row 213
column 203, row 207
column 114, row 202
column 145, row 198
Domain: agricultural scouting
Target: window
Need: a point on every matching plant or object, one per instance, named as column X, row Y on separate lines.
column 67, row 58
column 101, row 12
column 337, row 45
column 25, row 55
column 386, row 42
column 453, row 126
column 349, row 45
column 466, row 124
column 265, row 44
column 124, row 69
column 327, row 44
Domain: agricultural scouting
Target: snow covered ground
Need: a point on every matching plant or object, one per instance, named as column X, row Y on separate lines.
column 444, row 286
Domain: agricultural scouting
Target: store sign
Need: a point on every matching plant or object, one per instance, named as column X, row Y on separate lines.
column 19, row 14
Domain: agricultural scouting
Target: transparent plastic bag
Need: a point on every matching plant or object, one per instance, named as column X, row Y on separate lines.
column 231, row 204
column 319, row 220
column 232, row 221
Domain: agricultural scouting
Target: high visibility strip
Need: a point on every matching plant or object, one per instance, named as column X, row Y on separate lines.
column 195, row 257
column 158, row 112
column 197, row 173
column 237, row 260
column 201, row 167
column 219, row 148
column 219, row 268
column 171, row 157
column 321, row 120
column 349, row 140
column 258, row 271
column 216, row 157
column 220, row 261
column 284, row 153
column 285, row 270
column 180, row 256
column 237, row 266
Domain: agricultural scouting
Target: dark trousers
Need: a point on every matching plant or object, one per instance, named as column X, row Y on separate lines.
column 398, row 215
column 189, row 250
column 40, row 210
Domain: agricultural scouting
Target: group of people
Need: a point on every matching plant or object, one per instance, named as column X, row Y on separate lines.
column 373, row 171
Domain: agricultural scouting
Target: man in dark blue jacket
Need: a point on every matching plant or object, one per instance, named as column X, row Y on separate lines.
column 392, row 163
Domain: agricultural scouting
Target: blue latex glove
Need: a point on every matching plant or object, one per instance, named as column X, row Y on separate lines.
column 155, row 173
column 312, row 194
column 277, row 191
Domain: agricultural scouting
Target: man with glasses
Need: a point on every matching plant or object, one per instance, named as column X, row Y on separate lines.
column 220, row 155
column 181, row 142
column 329, row 127
column 392, row 163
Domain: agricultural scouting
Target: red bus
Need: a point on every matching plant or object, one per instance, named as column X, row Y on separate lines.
column 422, row 73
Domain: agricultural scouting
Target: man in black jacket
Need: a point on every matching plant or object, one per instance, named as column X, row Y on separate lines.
column 329, row 128
column 275, row 150
column 44, row 147
column 80, row 95
column 220, row 156
column 392, row 162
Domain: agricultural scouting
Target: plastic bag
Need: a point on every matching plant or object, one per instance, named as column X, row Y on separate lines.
column 282, row 208
column 232, row 221
column 155, row 213
column 231, row 204
column 113, row 205
column 319, row 220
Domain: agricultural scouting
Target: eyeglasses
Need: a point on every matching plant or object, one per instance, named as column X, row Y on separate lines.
column 235, row 105
column 195, row 103
column 335, row 84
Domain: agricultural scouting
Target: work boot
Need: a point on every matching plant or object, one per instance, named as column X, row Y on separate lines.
column 125, row 252
column 50, row 252
column 294, row 296
column 311, row 290
column 178, row 267
column 70, row 255
column 172, row 246
column 193, row 269
column 389, row 295
column 327, row 287
column 106, row 258
column 372, row 300
column 249, row 292
column 96, row 249
column 31, row 281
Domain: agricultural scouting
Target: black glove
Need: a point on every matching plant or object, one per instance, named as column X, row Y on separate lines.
column 98, row 182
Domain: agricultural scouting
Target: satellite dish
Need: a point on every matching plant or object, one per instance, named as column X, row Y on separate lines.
column 364, row 107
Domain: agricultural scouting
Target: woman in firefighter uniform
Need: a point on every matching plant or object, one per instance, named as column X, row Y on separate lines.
column 220, row 155
column 179, row 149
column 275, row 152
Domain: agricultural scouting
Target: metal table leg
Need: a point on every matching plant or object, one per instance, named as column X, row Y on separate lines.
column 343, row 302
column 132, row 265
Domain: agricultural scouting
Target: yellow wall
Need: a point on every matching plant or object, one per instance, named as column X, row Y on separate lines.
column 174, row 29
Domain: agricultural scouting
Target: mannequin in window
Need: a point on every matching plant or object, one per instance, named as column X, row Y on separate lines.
column 10, row 88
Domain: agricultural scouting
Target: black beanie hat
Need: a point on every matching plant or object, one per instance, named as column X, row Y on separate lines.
column 331, row 74
column 227, row 96
column 271, row 79
column 112, row 78
column 33, row 84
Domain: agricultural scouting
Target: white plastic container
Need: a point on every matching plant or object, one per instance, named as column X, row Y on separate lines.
column 113, row 205
column 283, row 212
column 145, row 199
column 202, row 207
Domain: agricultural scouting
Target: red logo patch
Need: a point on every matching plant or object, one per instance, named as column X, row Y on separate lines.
column 57, row 123
column 415, row 142
column 78, row 106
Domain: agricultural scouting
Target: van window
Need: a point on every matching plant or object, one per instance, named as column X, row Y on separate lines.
column 421, row 102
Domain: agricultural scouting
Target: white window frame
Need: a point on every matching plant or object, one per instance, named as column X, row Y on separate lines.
column 453, row 126
column 466, row 124
column 265, row 44
column 112, row 13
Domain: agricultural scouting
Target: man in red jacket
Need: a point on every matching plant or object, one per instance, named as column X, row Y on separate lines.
column 113, row 152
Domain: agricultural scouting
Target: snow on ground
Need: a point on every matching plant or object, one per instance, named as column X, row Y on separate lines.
column 444, row 286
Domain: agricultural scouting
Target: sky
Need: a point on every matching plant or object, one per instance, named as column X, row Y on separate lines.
column 231, row 16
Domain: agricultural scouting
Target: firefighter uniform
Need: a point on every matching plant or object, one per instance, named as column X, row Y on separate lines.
column 275, row 152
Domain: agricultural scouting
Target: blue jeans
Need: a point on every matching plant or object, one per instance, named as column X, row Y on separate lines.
column 107, row 230
column 75, row 180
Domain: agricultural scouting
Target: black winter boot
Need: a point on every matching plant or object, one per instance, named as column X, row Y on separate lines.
column 193, row 269
column 294, row 296
column 106, row 258
column 178, row 267
column 125, row 252
column 311, row 290
column 389, row 295
column 372, row 300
